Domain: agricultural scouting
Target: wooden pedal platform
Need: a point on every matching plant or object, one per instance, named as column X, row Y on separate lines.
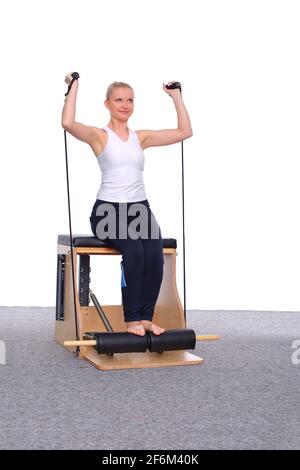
column 140, row 360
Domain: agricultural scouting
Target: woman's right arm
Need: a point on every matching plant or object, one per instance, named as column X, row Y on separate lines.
column 82, row 132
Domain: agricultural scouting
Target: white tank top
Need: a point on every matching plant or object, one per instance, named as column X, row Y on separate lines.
column 122, row 166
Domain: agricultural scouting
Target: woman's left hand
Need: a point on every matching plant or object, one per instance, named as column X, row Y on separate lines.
column 173, row 93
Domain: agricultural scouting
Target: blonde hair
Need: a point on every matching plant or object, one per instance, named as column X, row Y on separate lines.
column 116, row 85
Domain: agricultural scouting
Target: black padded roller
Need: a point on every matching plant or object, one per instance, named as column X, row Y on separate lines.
column 109, row 343
column 172, row 340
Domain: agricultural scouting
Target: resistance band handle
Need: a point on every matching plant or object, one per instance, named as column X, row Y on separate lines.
column 173, row 86
column 75, row 76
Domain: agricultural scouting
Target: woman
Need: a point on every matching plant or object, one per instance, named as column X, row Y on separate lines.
column 119, row 152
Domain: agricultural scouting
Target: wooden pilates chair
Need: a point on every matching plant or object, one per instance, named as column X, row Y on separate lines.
column 168, row 312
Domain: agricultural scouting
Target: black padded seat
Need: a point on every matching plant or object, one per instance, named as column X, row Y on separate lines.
column 90, row 240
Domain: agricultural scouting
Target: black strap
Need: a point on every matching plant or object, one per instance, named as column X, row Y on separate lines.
column 71, row 239
column 173, row 86
column 75, row 76
column 183, row 232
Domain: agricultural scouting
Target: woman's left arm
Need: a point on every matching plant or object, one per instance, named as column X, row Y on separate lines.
column 151, row 138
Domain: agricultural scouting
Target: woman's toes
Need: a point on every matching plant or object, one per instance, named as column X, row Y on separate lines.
column 157, row 330
column 139, row 330
column 136, row 328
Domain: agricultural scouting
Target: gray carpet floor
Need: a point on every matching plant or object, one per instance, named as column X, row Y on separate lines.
column 245, row 395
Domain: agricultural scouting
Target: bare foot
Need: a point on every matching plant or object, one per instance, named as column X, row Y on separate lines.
column 136, row 328
column 149, row 326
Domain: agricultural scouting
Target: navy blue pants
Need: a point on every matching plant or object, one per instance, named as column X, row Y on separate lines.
column 141, row 247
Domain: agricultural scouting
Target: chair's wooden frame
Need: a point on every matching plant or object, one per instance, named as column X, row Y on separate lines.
column 168, row 313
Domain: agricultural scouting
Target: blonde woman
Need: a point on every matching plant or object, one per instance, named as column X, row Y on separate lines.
column 119, row 152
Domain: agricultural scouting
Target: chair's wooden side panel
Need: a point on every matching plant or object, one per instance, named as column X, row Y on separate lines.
column 168, row 310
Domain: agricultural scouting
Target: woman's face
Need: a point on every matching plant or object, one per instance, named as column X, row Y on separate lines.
column 120, row 103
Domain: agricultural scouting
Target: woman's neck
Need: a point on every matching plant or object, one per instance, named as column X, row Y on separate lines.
column 117, row 126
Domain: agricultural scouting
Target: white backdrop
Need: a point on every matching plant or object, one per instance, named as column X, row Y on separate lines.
column 238, row 62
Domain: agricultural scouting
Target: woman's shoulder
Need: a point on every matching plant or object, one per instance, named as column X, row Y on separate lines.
column 140, row 132
column 100, row 130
